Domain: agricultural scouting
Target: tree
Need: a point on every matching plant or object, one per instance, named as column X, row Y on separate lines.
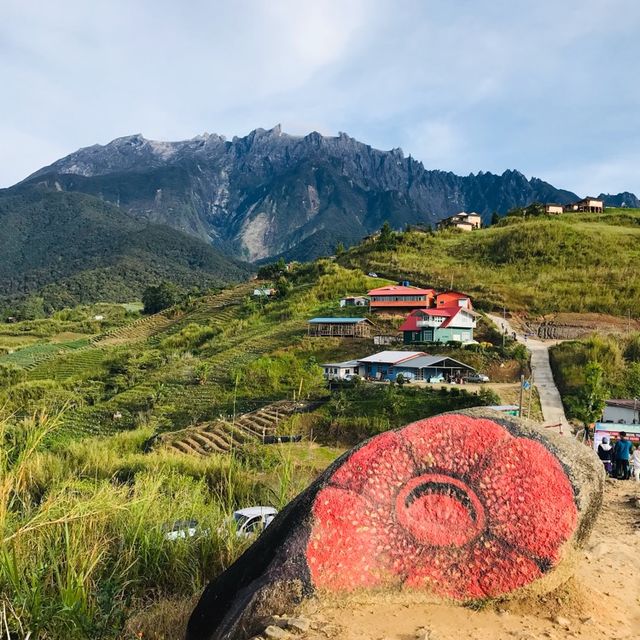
column 32, row 308
column 340, row 250
column 273, row 270
column 588, row 403
column 386, row 239
column 632, row 380
column 495, row 218
column 283, row 287
column 162, row 296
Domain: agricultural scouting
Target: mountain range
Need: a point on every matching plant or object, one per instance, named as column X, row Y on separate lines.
column 106, row 221
column 271, row 194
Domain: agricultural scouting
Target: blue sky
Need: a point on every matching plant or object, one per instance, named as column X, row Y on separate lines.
column 548, row 87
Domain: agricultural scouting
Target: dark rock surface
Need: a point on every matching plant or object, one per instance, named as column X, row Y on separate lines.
column 463, row 506
column 270, row 193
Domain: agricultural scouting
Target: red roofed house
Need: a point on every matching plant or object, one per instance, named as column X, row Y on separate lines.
column 453, row 299
column 441, row 324
column 400, row 298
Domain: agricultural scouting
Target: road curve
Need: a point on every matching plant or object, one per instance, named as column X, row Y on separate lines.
column 550, row 401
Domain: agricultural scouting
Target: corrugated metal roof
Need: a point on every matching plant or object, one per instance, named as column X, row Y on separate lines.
column 338, row 320
column 392, row 357
column 397, row 289
column 427, row 362
column 343, row 365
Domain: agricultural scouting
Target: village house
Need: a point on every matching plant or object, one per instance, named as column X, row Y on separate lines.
column 453, row 299
column 264, row 292
column 399, row 299
column 621, row 411
column 354, row 301
column 341, row 370
column 340, row 327
column 413, row 365
column 589, row 205
column 463, row 220
column 553, row 208
column 445, row 324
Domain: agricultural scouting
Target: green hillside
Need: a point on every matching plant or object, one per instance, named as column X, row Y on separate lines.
column 573, row 262
column 71, row 248
column 113, row 433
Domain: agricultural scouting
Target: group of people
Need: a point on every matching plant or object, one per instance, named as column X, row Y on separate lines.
column 620, row 459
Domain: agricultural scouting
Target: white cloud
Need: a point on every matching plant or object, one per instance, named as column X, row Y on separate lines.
column 463, row 85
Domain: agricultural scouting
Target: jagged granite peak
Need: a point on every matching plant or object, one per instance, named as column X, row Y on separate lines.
column 271, row 193
column 624, row 199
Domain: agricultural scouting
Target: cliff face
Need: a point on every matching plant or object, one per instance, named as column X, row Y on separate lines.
column 270, row 193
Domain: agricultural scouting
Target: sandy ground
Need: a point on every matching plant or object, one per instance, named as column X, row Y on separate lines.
column 601, row 601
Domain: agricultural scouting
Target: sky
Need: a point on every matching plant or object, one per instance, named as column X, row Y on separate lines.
column 550, row 87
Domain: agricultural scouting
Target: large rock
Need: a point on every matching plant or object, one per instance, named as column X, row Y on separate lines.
column 462, row 506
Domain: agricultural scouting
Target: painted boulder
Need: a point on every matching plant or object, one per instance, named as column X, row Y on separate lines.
column 463, row 506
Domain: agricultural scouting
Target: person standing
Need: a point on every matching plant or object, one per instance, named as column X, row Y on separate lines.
column 635, row 459
column 605, row 453
column 621, row 456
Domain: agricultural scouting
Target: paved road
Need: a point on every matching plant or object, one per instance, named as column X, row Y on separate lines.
column 550, row 401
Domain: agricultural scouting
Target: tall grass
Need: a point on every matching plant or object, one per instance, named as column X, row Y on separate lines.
column 83, row 530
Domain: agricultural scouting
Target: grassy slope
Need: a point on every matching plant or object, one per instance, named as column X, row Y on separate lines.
column 75, row 248
column 98, row 554
column 573, row 262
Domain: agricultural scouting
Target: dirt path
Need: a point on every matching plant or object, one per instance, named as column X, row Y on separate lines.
column 550, row 401
column 601, row 602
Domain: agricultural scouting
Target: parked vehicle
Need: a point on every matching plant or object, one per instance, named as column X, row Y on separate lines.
column 182, row 529
column 372, row 274
column 436, row 379
column 253, row 520
column 477, row 378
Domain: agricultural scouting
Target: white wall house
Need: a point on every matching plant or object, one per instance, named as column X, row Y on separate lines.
column 622, row 411
column 341, row 370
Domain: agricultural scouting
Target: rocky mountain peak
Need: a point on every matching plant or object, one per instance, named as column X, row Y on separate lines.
column 270, row 193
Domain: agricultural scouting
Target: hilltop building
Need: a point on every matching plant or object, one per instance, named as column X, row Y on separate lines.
column 590, row 205
column 442, row 324
column 453, row 299
column 354, row 301
column 400, row 298
column 340, row 327
column 463, row 220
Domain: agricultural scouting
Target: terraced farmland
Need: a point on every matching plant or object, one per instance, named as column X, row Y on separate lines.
column 29, row 357
column 72, row 365
column 221, row 436
column 212, row 310
column 137, row 331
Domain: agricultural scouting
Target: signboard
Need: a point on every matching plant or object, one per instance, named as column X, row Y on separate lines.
column 612, row 431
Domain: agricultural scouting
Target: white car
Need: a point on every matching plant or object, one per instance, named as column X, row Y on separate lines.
column 182, row 529
column 253, row 520
column 372, row 275
column 477, row 377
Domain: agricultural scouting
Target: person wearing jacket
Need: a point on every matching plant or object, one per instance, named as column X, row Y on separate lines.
column 605, row 453
column 621, row 453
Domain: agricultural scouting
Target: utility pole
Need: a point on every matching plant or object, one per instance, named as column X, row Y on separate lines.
column 504, row 324
column 521, row 395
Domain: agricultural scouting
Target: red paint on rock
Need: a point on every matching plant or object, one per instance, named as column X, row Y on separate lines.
column 453, row 504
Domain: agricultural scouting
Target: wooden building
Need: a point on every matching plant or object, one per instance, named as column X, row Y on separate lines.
column 340, row 327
